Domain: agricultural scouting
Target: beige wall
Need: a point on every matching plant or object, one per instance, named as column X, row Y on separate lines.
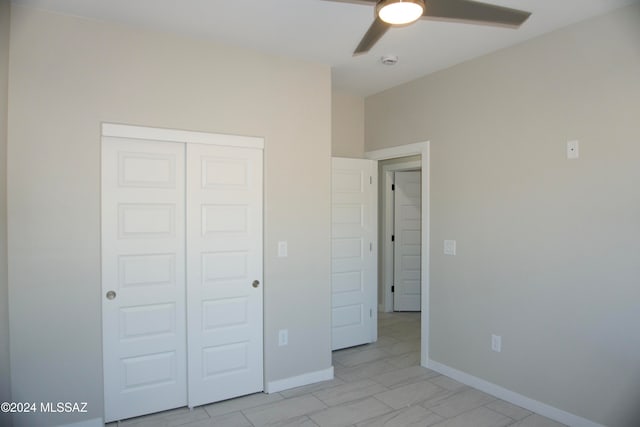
column 347, row 125
column 548, row 252
column 5, row 380
column 67, row 76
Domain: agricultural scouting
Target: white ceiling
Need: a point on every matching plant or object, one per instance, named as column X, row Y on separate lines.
column 327, row 32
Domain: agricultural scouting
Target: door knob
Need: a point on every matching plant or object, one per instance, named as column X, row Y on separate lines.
column 111, row 295
column 255, row 283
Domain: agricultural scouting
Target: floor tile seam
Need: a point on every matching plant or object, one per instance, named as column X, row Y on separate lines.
column 391, row 410
column 241, row 412
column 311, row 392
column 393, row 368
column 397, row 356
column 408, row 381
column 314, row 412
column 351, row 402
column 473, row 409
column 243, row 409
column 365, row 362
column 460, row 389
column 438, row 402
column 196, row 421
column 493, row 399
column 403, row 353
column 258, row 406
column 285, row 420
column 356, row 399
column 515, row 422
column 383, row 358
column 420, row 403
column 495, row 410
column 126, row 423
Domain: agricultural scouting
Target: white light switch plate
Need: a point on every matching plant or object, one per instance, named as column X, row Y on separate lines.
column 496, row 343
column 449, row 247
column 282, row 249
column 283, row 337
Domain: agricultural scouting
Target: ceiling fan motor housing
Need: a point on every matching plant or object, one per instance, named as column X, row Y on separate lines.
column 399, row 12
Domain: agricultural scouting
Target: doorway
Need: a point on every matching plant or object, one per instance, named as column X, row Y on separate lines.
column 417, row 155
column 389, row 256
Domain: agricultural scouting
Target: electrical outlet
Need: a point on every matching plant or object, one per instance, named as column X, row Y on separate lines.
column 496, row 343
column 283, row 337
column 573, row 152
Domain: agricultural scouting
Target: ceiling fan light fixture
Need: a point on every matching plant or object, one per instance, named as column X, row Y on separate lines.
column 400, row 12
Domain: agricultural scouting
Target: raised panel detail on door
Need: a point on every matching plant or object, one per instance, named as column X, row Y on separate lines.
column 224, row 219
column 224, row 231
column 407, row 247
column 147, row 270
column 155, row 371
column 225, row 173
column 146, row 220
column 143, row 268
column 222, row 267
column 353, row 252
column 147, row 321
column 146, row 170
column 227, row 313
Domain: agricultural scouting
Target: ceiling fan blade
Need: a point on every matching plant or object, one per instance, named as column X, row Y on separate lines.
column 373, row 34
column 474, row 12
column 367, row 2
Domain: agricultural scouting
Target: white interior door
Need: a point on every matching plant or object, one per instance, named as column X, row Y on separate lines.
column 224, row 272
column 407, row 259
column 353, row 252
column 143, row 270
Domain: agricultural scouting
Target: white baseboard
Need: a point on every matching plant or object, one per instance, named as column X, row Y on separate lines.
column 512, row 397
column 94, row 422
column 299, row 381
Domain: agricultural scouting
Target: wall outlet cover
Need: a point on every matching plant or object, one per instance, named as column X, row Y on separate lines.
column 573, row 150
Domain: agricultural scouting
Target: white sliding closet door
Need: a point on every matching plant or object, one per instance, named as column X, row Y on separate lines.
column 143, row 277
column 181, row 268
column 224, row 272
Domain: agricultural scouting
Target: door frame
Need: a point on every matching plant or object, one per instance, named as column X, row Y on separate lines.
column 182, row 136
column 387, row 228
column 422, row 149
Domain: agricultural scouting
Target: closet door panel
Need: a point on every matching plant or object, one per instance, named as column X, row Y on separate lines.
column 224, row 272
column 143, row 277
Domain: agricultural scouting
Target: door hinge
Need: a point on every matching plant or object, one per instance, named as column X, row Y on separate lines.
column 370, row 312
column 393, row 187
column 370, row 180
column 370, row 246
column 393, row 288
column 393, row 238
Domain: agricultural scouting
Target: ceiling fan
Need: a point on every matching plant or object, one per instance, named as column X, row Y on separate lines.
column 389, row 13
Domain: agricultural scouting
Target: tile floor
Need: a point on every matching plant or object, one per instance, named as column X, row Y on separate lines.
column 379, row 384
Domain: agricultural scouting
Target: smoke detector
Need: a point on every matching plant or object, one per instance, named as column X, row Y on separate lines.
column 389, row 59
